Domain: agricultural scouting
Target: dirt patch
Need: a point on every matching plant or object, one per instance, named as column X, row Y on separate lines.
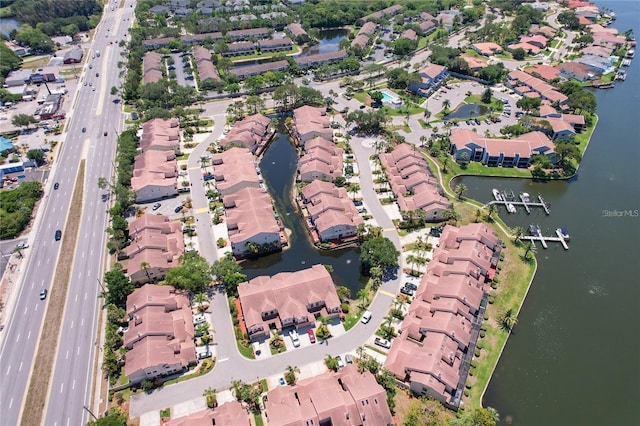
column 402, row 399
column 43, row 363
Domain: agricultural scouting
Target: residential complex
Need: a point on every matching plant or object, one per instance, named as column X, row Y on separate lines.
column 160, row 335
column 249, row 133
column 287, row 299
column 322, row 159
column 438, row 335
column 413, row 184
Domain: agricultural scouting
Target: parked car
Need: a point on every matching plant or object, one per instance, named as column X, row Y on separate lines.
column 106, row 133
column 204, row 355
column 294, row 338
column 357, row 203
column 348, row 359
column 281, row 381
column 366, row 317
column 156, row 206
column 412, row 286
column 312, row 336
column 340, row 362
column 178, row 209
column 43, row 294
column 383, row 342
column 22, row 246
column 407, row 291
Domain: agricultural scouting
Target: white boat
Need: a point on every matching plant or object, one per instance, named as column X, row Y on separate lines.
column 511, row 208
column 496, row 194
column 525, row 197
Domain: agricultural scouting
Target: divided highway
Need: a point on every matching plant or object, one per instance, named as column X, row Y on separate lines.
column 70, row 389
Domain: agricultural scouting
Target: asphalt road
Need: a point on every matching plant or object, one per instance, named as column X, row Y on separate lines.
column 70, row 389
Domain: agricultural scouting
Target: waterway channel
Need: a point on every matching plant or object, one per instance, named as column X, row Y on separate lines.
column 574, row 357
column 278, row 167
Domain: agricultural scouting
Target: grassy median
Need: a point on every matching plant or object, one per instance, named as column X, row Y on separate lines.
column 46, row 352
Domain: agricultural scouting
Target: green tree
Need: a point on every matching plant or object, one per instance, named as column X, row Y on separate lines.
column 118, row 286
column 10, row 61
column 518, row 232
column 23, row 120
column 343, row 292
column 211, row 397
column 376, row 97
column 114, row 418
column 38, row 41
column 36, row 155
column 380, row 252
column 331, row 363
column 426, row 412
column 460, row 189
column 529, row 248
column 486, row 96
column 518, row 54
column 362, row 295
column 290, row 374
column 194, row 274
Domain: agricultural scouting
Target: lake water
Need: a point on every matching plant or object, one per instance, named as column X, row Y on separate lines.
column 278, row 167
column 569, row 361
column 467, row 111
column 8, row 24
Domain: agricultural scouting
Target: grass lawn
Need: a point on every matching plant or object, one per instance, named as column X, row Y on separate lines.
column 362, row 97
column 294, row 51
column 582, row 139
column 246, row 352
column 472, row 53
column 257, row 417
column 555, row 44
column 504, row 55
column 6, row 12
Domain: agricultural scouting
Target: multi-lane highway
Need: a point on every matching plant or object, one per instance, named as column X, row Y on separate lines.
column 70, row 387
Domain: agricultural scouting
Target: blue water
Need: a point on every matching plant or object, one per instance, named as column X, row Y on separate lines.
column 467, row 111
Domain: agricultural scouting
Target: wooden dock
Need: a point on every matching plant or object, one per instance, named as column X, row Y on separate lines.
column 509, row 198
column 559, row 238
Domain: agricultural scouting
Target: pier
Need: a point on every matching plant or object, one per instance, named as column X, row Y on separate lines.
column 504, row 198
column 560, row 237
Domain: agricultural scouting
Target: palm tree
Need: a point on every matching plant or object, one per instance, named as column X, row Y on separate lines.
column 493, row 413
column 210, row 395
column 460, row 189
column 446, row 104
column 412, row 260
column 529, row 248
column 145, row 266
column 423, row 139
column 200, row 298
column 508, row 320
column 376, row 276
column 290, row 374
column 469, row 93
column 518, row 232
column 362, row 295
column 491, row 210
column 204, row 161
column 477, row 215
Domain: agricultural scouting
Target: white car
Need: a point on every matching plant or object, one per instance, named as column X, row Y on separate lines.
column 383, row 342
column 366, row 317
column 294, row 338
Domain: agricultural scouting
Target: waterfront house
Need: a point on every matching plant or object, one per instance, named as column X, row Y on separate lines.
column 275, row 45
column 322, row 159
column 345, row 397
column 297, row 32
column 151, row 68
column 287, row 299
column 523, row 83
column 360, row 41
column 331, row 211
column 251, row 221
column 575, row 70
column 160, row 335
column 439, row 332
column 431, row 77
column 321, row 58
column 233, row 170
column 500, row 152
column 602, row 51
column 596, row 64
column 311, row 122
column 156, row 246
column 250, row 133
column 239, row 48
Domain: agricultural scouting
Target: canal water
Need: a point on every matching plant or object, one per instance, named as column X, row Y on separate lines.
column 278, row 167
column 574, row 357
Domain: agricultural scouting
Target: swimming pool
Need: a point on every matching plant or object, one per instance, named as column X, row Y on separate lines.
column 390, row 99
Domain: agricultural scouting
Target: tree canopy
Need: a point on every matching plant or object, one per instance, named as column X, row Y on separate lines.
column 371, row 121
column 16, row 207
column 10, row 61
column 118, row 286
column 227, row 272
column 34, row 11
column 194, row 274
column 380, row 252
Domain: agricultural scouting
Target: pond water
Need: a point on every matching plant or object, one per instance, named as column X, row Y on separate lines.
column 8, row 24
column 278, row 167
column 467, row 111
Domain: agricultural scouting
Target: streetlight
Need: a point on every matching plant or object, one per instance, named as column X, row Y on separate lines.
column 101, row 286
column 89, row 411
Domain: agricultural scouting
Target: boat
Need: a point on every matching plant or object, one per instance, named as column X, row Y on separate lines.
column 511, row 208
column 496, row 194
column 563, row 233
column 631, row 53
column 534, row 230
column 525, row 197
column 626, row 62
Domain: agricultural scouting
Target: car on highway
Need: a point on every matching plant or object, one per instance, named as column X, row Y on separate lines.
column 97, row 74
column 93, row 89
column 84, row 130
column 366, row 317
column 383, row 342
column 58, row 235
column 340, row 362
column 156, row 206
column 56, row 186
column 178, row 209
column 43, row 294
column 106, row 133
column 312, row 336
column 90, row 66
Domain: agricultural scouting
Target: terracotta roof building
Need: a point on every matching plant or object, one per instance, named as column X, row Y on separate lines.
column 412, row 182
column 248, row 71
column 233, row 170
column 500, row 152
column 287, row 299
column 230, row 413
column 311, row 122
column 155, row 176
column 575, row 70
column 409, row 34
column 160, row 333
column 439, row 332
column 156, row 246
column 331, row 211
column 487, row 48
column 321, row 58
column 249, row 132
column 522, row 82
column 206, row 69
column 544, row 30
column 297, row 32
column 322, row 160
column 346, row 397
column 475, row 64
column 151, row 68
column 545, row 72
column 160, row 134
column 431, row 77
column 251, row 221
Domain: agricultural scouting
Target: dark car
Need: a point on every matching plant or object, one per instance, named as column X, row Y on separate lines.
column 56, row 185
column 178, row 209
column 58, row 235
column 412, row 286
column 97, row 74
column 348, row 359
column 84, row 129
column 106, row 133
column 407, row 291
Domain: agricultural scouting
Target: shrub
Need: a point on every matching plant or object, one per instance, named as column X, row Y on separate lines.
column 494, row 285
column 477, row 353
column 482, row 334
column 221, row 242
column 345, row 308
